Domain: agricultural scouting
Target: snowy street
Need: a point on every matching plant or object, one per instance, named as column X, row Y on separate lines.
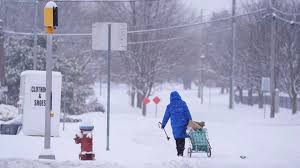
column 138, row 142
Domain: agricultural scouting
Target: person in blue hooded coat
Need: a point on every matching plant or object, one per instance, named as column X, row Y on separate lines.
column 180, row 116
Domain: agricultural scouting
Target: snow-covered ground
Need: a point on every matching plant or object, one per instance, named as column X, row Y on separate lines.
column 137, row 141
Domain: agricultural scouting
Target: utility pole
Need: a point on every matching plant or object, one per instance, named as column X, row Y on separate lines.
column 2, row 9
column 202, row 57
column 201, row 62
column 231, row 94
column 133, row 90
column 5, row 4
column 272, row 68
column 108, row 85
column 1, row 53
column 35, row 34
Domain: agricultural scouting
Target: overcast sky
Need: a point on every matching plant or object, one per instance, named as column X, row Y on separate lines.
column 209, row 6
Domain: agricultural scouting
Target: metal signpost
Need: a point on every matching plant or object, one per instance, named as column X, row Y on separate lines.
column 108, row 85
column 110, row 37
column 50, row 22
column 156, row 101
column 265, row 88
column 48, row 91
column 65, row 99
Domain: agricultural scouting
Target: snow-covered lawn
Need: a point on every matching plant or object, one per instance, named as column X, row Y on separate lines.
column 137, row 141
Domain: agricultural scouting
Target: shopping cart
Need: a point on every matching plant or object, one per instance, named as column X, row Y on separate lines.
column 199, row 142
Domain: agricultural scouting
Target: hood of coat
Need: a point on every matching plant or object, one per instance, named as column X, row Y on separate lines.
column 174, row 96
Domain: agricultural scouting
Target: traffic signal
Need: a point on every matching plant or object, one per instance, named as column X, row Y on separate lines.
column 50, row 16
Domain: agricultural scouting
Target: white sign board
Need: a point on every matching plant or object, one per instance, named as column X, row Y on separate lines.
column 118, row 36
column 265, row 84
column 33, row 102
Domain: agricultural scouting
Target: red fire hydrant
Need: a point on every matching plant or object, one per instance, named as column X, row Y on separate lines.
column 85, row 138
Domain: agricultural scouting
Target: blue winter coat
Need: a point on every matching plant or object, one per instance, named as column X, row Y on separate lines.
column 180, row 116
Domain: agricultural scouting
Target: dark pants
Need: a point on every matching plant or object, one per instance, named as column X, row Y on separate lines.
column 180, row 143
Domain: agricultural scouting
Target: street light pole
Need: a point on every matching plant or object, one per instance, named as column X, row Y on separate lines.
column 272, row 83
column 2, row 58
column 200, row 91
column 231, row 95
column 49, row 64
column 201, row 77
column 50, row 23
column 108, row 85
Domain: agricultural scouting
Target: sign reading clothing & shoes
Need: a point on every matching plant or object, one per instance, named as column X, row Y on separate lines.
column 38, row 96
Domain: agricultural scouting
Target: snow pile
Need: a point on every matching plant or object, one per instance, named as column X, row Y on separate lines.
column 17, row 120
column 93, row 105
column 7, row 112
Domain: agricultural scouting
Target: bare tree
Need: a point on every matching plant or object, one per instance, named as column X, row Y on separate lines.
column 146, row 61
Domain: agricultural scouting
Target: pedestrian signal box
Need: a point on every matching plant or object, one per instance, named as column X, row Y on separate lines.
column 50, row 16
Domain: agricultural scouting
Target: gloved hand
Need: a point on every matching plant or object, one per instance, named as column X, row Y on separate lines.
column 161, row 125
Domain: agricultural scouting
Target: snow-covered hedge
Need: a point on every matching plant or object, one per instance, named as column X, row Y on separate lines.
column 7, row 112
column 94, row 106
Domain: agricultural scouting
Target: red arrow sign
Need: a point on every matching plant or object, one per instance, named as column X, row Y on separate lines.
column 146, row 100
column 156, row 100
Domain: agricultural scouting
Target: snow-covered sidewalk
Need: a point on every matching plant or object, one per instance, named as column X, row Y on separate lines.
column 137, row 141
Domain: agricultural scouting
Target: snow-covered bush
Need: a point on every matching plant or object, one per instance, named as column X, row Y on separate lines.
column 70, row 120
column 19, row 57
column 77, row 80
column 95, row 106
column 7, row 112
